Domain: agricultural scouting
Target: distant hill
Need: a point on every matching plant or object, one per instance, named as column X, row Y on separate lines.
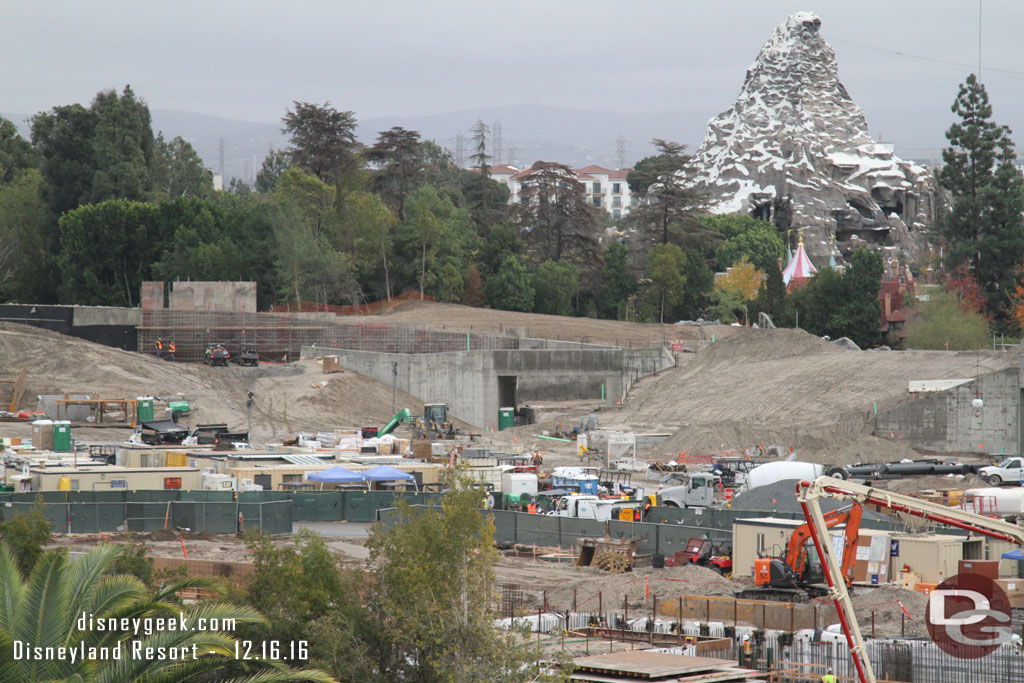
column 528, row 133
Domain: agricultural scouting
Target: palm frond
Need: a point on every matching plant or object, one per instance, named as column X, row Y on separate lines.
column 12, row 588
column 83, row 574
column 285, row 675
column 42, row 618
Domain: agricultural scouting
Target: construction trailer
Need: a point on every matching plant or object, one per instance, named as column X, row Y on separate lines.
column 754, row 538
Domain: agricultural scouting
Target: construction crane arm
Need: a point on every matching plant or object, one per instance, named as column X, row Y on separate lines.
column 810, row 492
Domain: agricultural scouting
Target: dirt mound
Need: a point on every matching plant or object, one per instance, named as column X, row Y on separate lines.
column 288, row 398
column 884, row 603
column 777, row 345
column 790, row 388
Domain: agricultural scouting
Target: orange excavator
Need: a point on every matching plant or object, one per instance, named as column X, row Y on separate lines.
column 797, row 575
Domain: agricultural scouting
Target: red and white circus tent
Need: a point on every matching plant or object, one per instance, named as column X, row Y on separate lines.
column 800, row 267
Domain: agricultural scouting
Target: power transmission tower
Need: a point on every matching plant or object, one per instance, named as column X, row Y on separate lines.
column 496, row 141
column 620, row 152
column 459, row 159
column 222, row 160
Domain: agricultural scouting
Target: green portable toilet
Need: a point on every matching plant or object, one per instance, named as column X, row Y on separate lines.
column 62, row 436
column 144, row 408
column 506, row 418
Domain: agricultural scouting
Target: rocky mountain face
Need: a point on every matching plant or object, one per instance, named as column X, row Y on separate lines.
column 795, row 149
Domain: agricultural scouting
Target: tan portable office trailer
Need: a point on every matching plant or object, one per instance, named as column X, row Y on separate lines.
column 934, row 556
column 762, row 537
column 272, row 476
column 114, row 478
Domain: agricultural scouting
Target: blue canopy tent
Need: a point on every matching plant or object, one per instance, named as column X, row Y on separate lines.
column 383, row 473
column 1017, row 554
column 339, row 475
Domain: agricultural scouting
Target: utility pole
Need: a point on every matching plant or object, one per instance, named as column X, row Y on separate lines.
column 394, row 380
column 248, row 413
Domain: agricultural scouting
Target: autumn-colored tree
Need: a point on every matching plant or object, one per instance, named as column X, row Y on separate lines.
column 1016, row 298
column 742, row 279
column 968, row 291
column 473, row 288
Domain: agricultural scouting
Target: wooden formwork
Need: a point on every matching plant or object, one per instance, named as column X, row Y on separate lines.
column 17, row 387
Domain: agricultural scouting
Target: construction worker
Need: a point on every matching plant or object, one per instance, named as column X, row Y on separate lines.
column 829, row 677
column 171, row 348
column 159, row 348
column 748, row 650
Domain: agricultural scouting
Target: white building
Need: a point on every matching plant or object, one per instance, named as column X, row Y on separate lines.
column 604, row 188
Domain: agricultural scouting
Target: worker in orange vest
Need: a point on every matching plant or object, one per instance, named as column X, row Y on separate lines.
column 531, row 507
column 159, row 348
column 171, row 348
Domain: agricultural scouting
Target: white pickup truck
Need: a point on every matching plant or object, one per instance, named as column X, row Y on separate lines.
column 1009, row 471
column 592, row 507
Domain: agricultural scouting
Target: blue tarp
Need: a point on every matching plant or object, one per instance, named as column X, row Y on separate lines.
column 385, row 473
column 1017, row 554
column 338, row 475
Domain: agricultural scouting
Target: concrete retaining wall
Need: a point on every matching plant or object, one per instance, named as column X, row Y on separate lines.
column 106, row 325
column 468, row 381
column 946, row 422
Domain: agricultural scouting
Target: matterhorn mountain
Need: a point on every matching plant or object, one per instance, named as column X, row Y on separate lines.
column 795, row 149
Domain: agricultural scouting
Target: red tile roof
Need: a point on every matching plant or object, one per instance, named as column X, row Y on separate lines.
column 504, row 168
column 620, row 174
column 593, row 169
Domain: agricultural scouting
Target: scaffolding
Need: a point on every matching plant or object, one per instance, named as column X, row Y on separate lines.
column 280, row 337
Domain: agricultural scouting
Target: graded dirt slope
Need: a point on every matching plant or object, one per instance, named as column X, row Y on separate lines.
column 590, row 330
column 787, row 387
column 288, row 399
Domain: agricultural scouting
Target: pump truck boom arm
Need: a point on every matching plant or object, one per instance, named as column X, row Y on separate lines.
column 810, row 492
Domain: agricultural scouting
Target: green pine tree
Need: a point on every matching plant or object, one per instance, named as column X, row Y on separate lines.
column 984, row 228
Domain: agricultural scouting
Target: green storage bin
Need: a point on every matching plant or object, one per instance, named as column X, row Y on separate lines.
column 144, row 409
column 506, row 418
column 62, row 436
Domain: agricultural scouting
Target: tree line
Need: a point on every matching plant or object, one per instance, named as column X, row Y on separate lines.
column 94, row 203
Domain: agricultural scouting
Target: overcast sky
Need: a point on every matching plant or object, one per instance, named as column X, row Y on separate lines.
column 249, row 59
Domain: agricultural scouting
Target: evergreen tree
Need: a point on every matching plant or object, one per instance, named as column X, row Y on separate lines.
column 511, row 288
column 984, row 228
column 617, row 284
column 274, row 165
column 555, row 285
column 666, row 212
column 397, row 158
column 16, row 154
column 667, row 277
column 323, row 140
column 123, row 147
column 700, row 281
column 772, row 297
